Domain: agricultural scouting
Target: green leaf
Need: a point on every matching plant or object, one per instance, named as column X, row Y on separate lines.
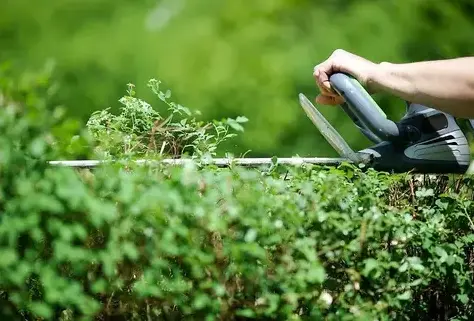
column 219, row 290
column 8, row 257
column 37, row 147
column 415, row 263
column 41, row 310
column 403, row 267
column 424, row 192
column 416, row 282
column 441, row 204
column 463, row 298
column 235, row 125
column 201, row 301
column 247, row 313
column 250, row 236
column 241, row 119
column 316, row 274
column 130, row 250
column 442, row 253
column 99, row 286
column 370, row 264
column 404, row 296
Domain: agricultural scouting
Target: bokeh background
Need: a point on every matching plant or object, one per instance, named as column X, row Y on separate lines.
column 227, row 58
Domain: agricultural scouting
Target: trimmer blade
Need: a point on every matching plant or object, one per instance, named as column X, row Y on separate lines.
column 329, row 133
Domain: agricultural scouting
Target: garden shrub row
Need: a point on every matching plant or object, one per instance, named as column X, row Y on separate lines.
column 197, row 242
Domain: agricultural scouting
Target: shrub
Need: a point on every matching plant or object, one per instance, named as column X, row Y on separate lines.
column 136, row 242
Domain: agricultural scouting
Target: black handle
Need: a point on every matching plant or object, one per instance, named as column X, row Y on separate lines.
column 363, row 110
column 374, row 138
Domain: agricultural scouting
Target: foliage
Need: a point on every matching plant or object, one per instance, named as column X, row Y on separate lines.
column 160, row 242
column 140, row 130
column 229, row 58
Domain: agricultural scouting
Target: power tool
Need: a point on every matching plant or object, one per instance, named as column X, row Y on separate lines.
column 424, row 140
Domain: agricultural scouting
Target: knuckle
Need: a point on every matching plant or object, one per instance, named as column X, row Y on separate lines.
column 338, row 52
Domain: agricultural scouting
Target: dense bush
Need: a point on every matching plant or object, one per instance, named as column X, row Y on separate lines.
column 136, row 242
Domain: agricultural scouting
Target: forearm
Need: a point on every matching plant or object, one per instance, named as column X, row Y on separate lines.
column 446, row 85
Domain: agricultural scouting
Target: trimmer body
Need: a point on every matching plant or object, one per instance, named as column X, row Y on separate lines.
column 425, row 140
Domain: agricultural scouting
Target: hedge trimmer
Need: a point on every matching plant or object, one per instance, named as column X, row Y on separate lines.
column 425, row 140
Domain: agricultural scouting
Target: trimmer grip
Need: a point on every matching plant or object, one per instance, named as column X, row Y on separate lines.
column 361, row 106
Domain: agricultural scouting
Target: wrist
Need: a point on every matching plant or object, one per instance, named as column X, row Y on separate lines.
column 378, row 75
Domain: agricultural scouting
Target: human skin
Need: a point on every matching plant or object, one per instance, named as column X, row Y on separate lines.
column 446, row 85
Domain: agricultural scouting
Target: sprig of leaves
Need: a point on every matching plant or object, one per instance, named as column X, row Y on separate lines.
column 141, row 130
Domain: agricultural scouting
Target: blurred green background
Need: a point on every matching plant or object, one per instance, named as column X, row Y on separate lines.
column 228, row 58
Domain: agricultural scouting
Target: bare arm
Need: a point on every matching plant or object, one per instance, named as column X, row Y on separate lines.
column 447, row 85
column 443, row 84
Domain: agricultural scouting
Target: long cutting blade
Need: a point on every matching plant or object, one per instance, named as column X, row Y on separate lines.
column 331, row 135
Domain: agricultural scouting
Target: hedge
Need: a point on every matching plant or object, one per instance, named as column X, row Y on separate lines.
column 136, row 242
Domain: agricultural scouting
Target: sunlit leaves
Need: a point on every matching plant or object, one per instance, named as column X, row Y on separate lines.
column 280, row 243
column 142, row 129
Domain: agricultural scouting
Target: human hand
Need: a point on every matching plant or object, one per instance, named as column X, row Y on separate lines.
column 341, row 61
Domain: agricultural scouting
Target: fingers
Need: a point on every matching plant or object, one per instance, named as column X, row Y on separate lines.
column 329, row 100
column 340, row 61
column 326, row 89
column 322, row 72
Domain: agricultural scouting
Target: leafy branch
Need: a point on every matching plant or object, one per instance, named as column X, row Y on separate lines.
column 140, row 130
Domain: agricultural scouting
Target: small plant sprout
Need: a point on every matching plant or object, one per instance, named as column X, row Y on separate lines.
column 140, row 130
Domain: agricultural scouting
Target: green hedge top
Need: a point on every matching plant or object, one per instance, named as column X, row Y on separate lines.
column 202, row 243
